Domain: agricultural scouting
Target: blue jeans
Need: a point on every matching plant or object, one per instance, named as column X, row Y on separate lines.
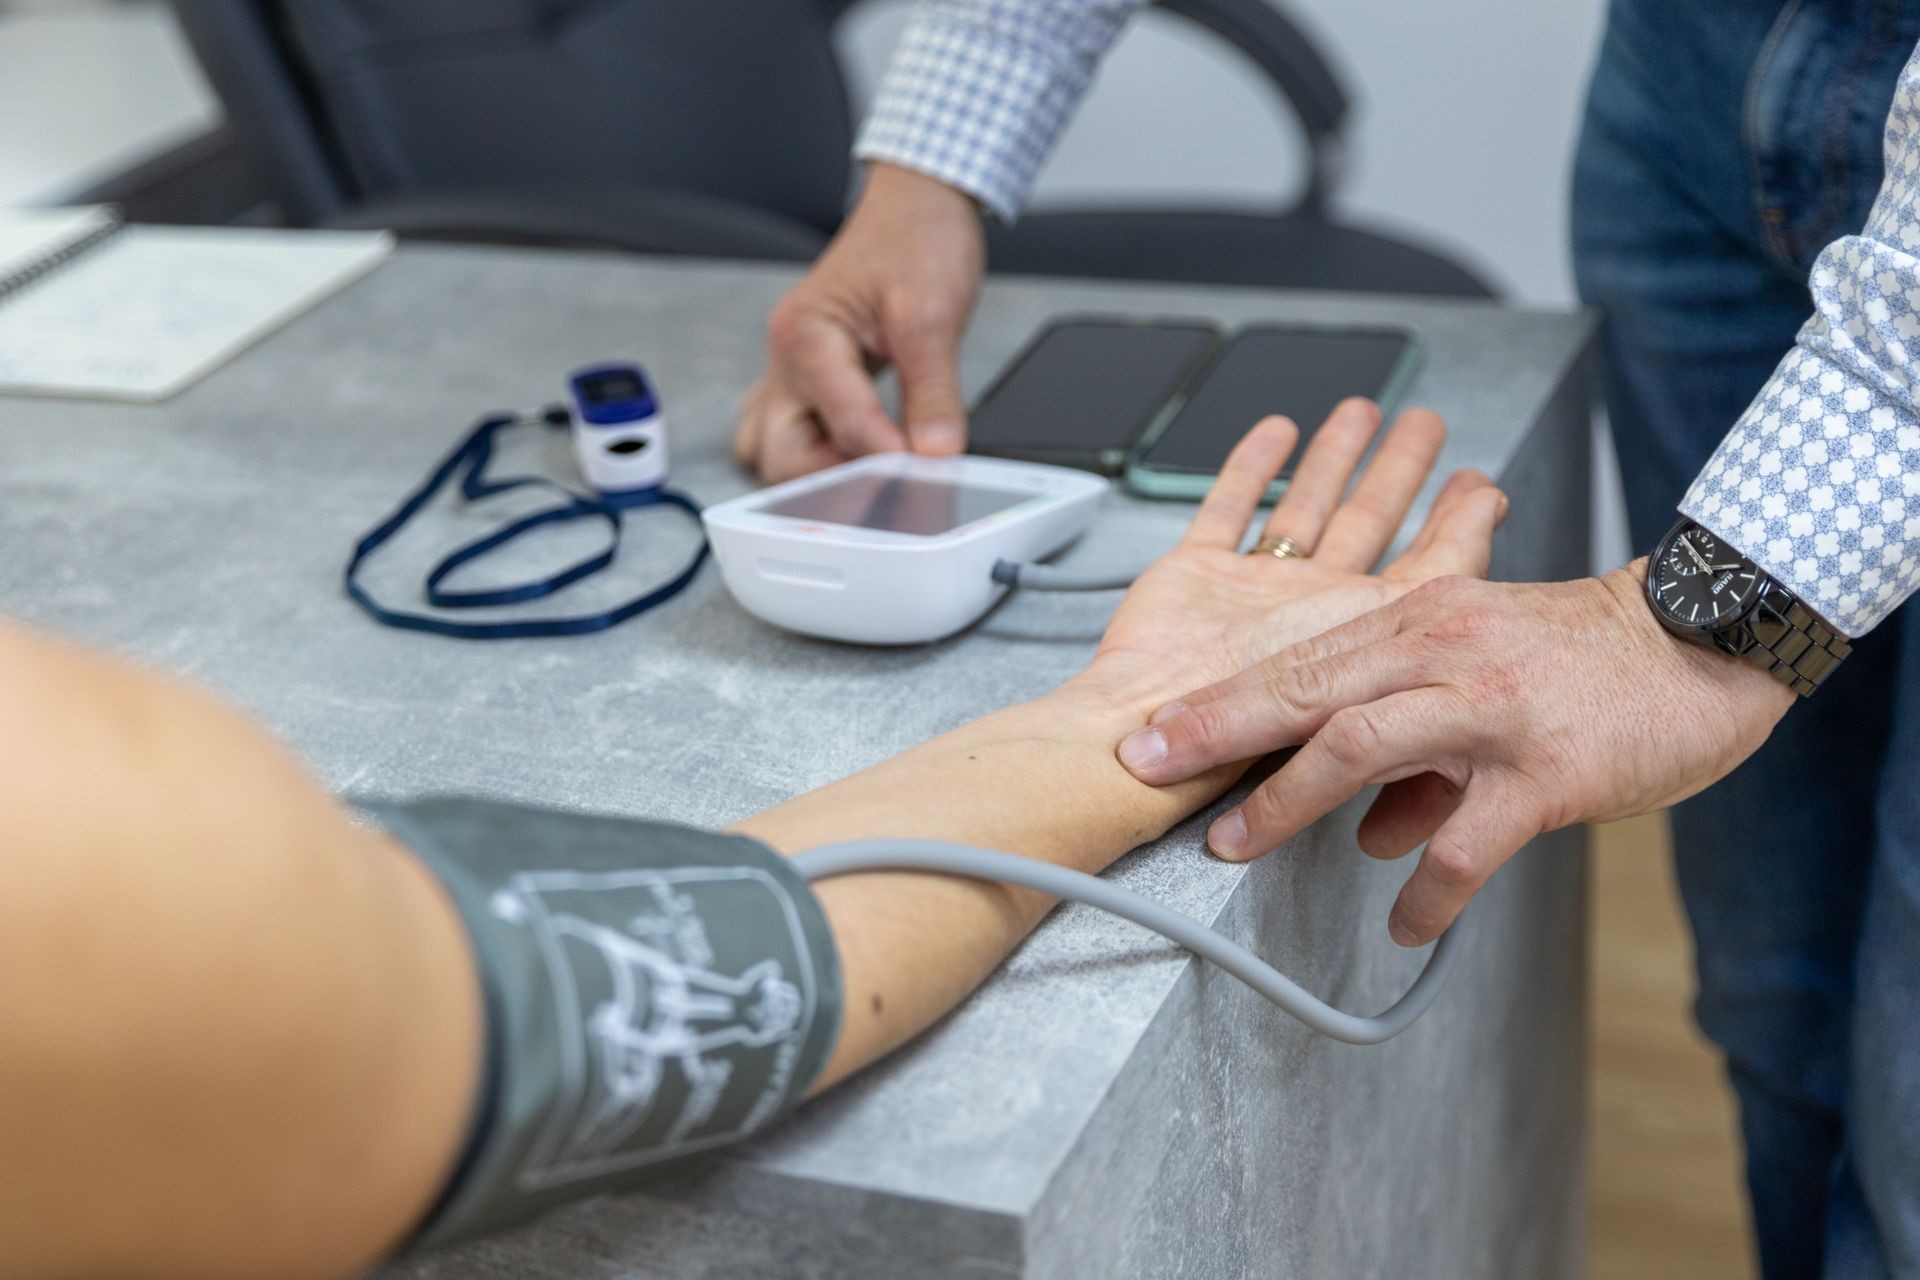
column 1726, row 142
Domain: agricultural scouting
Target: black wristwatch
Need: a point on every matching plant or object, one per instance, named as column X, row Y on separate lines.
column 1703, row 590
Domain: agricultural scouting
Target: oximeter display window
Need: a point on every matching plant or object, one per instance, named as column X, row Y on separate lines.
column 606, row 388
column 897, row 504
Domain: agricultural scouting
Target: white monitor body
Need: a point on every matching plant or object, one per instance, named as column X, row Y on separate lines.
column 894, row 548
column 623, row 456
column 619, row 433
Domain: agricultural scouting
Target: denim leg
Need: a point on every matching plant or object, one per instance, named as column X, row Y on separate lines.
column 1773, row 865
column 1665, row 242
column 1876, row 1226
column 1689, row 242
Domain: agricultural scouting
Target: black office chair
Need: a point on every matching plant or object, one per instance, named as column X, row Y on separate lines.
column 716, row 127
column 1301, row 247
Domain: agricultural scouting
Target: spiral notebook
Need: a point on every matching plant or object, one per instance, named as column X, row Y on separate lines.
column 95, row 309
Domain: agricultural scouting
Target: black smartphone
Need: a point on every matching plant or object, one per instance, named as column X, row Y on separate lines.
column 1301, row 371
column 1086, row 388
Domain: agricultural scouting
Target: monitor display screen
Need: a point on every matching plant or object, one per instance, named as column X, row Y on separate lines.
column 897, row 504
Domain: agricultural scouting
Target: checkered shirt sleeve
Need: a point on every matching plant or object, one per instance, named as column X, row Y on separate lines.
column 979, row 90
column 1819, row 481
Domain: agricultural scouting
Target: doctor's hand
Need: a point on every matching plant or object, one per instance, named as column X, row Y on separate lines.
column 1488, row 712
column 1205, row 611
column 896, row 286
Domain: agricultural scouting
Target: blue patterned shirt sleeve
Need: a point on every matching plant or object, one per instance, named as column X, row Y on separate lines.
column 1819, row 481
column 979, row 90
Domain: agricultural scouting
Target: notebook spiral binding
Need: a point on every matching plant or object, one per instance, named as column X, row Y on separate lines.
column 47, row 265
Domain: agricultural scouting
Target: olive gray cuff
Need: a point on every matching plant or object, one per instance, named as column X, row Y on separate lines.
column 652, row 991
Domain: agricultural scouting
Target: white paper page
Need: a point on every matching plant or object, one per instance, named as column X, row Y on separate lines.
column 154, row 309
column 28, row 236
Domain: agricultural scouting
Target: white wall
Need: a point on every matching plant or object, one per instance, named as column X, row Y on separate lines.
column 88, row 91
column 1465, row 116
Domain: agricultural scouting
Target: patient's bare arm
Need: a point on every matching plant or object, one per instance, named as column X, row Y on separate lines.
column 244, row 1030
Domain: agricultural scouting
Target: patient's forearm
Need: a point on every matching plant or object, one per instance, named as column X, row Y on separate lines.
column 1038, row 779
column 243, row 1032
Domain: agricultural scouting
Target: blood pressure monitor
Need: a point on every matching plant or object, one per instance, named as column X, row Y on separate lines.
column 894, row 548
column 619, row 435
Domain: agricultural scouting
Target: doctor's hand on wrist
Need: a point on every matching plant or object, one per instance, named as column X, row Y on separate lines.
column 896, row 287
column 1488, row 712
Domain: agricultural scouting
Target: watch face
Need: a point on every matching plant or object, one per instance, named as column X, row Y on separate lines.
column 1699, row 581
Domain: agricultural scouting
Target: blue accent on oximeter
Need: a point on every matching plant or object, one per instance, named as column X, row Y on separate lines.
column 610, row 394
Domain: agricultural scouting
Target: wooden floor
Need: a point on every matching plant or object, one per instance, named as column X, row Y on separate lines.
column 1666, row 1167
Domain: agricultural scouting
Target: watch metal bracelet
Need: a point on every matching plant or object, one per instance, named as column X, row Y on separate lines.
column 1787, row 640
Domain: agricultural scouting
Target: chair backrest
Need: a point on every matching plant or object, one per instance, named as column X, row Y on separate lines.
column 340, row 101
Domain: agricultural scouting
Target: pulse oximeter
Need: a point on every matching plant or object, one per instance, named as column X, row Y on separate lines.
column 619, row 433
column 894, row 548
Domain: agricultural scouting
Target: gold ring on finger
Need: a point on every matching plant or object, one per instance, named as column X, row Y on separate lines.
column 1281, row 547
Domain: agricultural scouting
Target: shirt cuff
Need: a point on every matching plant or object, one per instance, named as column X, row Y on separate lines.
column 975, row 109
column 1819, row 484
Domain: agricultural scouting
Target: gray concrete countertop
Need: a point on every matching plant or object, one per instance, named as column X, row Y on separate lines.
column 1104, row 1107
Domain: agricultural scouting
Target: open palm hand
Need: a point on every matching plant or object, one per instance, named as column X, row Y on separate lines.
column 1204, row 610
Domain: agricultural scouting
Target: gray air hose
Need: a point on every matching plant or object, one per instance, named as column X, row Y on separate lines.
column 1060, row 882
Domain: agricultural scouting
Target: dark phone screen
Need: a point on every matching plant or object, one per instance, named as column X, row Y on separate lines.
column 898, row 504
column 1299, row 372
column 1086, row 388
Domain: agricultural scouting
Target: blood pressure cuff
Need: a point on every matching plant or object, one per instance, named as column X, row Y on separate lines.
column 652, row 991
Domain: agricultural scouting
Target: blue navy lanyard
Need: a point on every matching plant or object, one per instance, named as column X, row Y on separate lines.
column 469, row 461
